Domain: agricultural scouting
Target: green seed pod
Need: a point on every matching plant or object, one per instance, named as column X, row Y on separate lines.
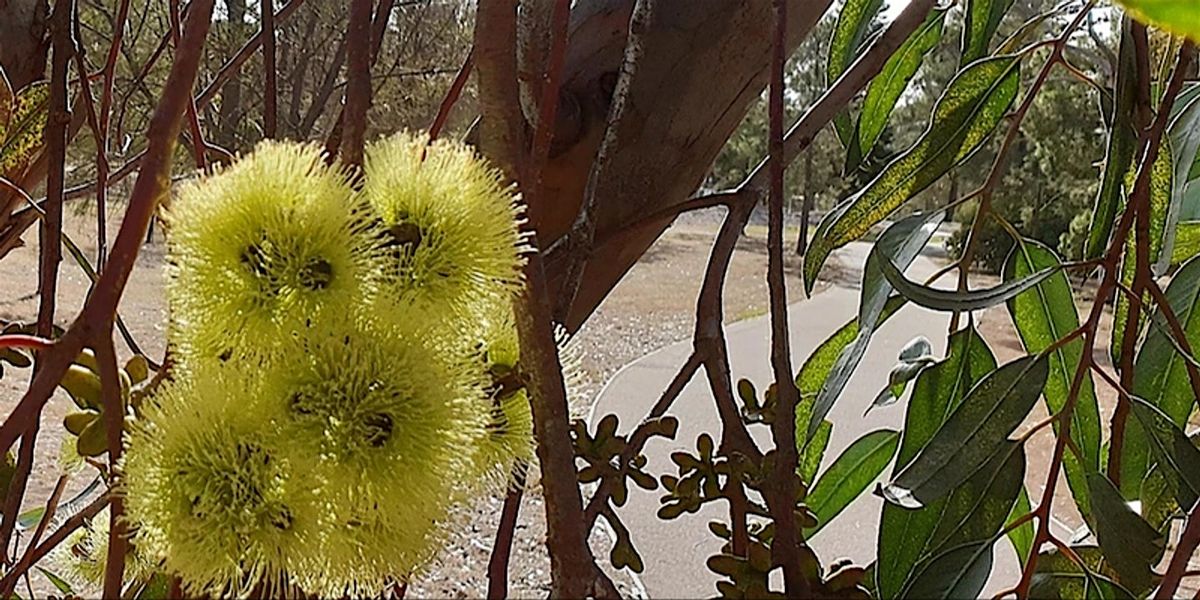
column 261, row 249
column 83, row 385
column 392, row 419
column 210, row 490
column 447, row 226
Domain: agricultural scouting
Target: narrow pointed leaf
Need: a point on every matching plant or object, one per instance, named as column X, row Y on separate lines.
column 960, row 572
column 906, row 536
column 901, row 242
column 1043, row 315
column 947, row 300
column 23, row 135
column 981, row 19
column 1160, row 374
column 976, row 432
column 854, row 21
column 849, row 475
column 1058, row 577
column 1177, row 458
column 963, row 118
column 1184, row 133
column 1122, row 143
column 887, row 87
column 1129, row 543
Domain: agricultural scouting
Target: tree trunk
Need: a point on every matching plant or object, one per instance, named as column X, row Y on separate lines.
column 23, row 40
column 231, row 95
column 665, row 142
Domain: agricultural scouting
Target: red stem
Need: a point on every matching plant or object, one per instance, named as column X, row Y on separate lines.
column 27, row 342
column 452, row 95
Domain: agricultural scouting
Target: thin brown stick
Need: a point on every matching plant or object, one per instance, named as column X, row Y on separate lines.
column 358, row 86
column 103, row 119
column 193, row 118
column 1177, row 332
column 114, row 422
column 497, row 572
column 231, row 67
column 452, row 95
column 1139, row 205
column 150, row 187
column 270, row 78
column 50, row 245
column 47, row 517
column 781, row 493
column 1107, row 286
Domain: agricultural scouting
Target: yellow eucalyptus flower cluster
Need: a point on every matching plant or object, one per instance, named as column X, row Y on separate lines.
column 345, row 369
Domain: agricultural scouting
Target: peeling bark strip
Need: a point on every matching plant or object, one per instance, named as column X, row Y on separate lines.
column 714, row 64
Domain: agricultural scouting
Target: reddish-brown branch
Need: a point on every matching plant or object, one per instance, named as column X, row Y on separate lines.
column 27, row 342
column 1183, row 554
column 193, row 117
column 782, row 491
column 270, row 78
column 150, row 187
column 243, row 54
column 452, row 95
column 50, row 245
column 114, row 422
column 1139, row 205
column 358, row 85
column 497, row 572
column 47, row 517
column 1107, row 286
column 101, row 125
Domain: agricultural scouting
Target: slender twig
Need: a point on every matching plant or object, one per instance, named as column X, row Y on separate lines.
column 497, row 572
column 50, row 246
column 193, row 117
column 358, row 88
column 114, row 421
column 1139, row 205
column 103, row 119
column 451, row 98
column 1107, row 286
column 47, row 517
column 1000, row 163
column 781, row 493
column 149, row 188
column 27, row 342
column 270, row 78
column 1177, row 332
column 231, row 67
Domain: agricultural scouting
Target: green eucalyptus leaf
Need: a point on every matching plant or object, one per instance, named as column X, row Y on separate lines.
column 906, row 536
column 58, row 582
column 973, row 435
column 1160, row 372
column 973, row 104
column 980, row 21
column 1177, row 458
column 1022, row 535
column 1057, row 577
column 901, row 242
column 854, row 21
column 1130, row 544
column 849, row 475
column 947, row 300
column 886, row 88
column 959, row 572
column 1181, row 17
column 1122, row 144
column 1043, row 315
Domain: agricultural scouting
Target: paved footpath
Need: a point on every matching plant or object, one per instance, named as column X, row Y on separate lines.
column 675, row 551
